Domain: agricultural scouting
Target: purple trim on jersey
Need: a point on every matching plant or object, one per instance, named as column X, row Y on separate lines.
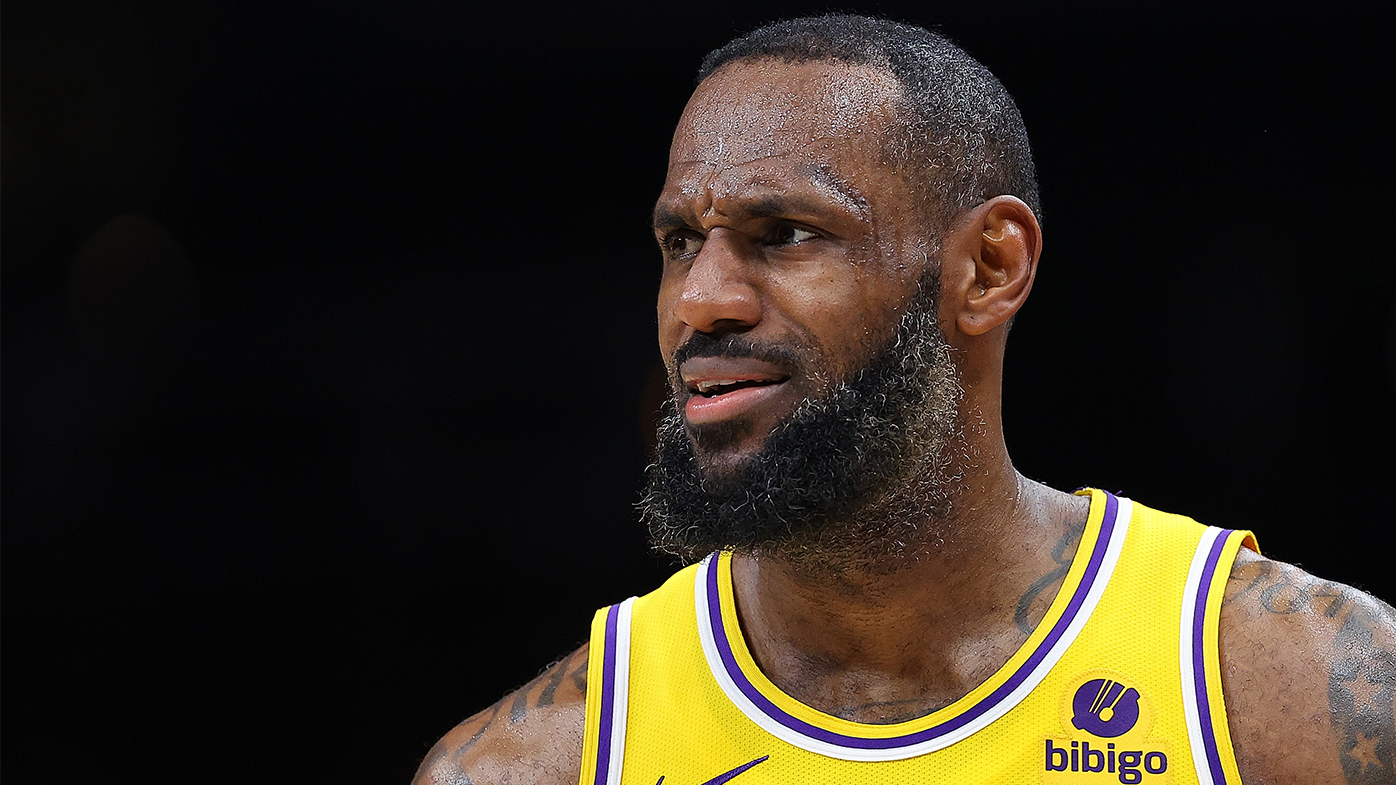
column 729, row 661
column 608, row 697
column 1199, row 670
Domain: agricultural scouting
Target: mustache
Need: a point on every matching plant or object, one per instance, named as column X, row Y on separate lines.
column 790, row 357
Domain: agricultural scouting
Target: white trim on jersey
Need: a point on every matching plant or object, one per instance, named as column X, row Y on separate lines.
column 621, row 686
column 1191, row 668
column 922, row 745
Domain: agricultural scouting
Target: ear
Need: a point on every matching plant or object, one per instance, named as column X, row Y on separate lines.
column 996, row 246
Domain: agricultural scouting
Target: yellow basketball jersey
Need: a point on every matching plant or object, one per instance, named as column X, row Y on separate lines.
column 1120, row 682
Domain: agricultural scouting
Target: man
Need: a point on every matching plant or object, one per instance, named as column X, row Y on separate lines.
column 848, row 227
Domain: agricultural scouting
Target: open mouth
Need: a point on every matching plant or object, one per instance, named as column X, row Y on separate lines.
column 711, row 388
column 723, row 388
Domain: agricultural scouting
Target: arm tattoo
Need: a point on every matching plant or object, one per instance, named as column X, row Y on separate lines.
column 439, row 752
column 1062, row 553
column 1361, row 673
column 574, row 666
column 579, row 674
column 519, row 708
column 546, row 684
column 1255, row 573
column 545, row 697
column 1362, row 694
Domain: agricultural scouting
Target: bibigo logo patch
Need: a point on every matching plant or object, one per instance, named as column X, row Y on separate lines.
column 1107, row 722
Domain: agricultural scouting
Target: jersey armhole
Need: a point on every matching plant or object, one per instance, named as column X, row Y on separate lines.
column 593, row 711
column 608, row 681
column 1208, row 729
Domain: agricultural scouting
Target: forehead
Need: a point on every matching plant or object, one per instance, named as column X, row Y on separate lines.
column 755, row 121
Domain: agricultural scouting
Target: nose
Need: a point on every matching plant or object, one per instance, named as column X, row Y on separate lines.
column 717, row 293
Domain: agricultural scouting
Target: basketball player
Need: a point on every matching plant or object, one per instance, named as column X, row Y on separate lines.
column 848, row 227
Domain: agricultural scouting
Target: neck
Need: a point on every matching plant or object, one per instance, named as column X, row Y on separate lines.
column 889, row 644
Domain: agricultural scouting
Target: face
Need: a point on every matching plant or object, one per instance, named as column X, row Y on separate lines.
column 813, row 389
column 791, row 247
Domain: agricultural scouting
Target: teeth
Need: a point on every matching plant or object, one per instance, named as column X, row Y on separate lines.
column 709, row 386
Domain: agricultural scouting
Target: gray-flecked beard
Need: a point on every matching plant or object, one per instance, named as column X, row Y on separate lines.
column 852, row 479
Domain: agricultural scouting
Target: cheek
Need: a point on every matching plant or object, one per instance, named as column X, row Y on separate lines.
column 839, row 313
column 855, row 320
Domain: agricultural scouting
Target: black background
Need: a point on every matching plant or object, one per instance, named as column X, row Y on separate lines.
column 328, row 331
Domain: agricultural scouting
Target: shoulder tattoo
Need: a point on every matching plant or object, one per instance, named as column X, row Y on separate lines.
column 1360, row 633
column 448, row 756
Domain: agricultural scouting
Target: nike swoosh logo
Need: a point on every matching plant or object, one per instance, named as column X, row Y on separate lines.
column 727, row 775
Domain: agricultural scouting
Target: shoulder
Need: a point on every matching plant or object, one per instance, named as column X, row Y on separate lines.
column 1308, row 674
column 532, row 736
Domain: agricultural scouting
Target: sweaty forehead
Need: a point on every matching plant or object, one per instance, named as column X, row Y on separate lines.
column 753, row 110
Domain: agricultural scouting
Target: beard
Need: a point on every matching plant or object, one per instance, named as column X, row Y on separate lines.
column 852, row 478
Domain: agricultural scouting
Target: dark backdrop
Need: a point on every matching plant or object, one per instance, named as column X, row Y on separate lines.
column 328, row 334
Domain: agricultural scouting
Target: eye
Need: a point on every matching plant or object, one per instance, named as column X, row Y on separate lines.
column 788, row 234
column 680, row 245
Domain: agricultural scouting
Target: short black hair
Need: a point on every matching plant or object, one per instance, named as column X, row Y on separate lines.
column 964, row 138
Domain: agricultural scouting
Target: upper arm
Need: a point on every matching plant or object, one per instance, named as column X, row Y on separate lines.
column 532, row 736
column 1308, row 674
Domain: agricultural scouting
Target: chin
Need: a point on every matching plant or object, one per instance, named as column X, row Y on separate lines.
column 725, row 462
column 723, row 442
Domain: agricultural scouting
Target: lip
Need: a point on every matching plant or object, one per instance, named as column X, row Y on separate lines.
column 742, row 383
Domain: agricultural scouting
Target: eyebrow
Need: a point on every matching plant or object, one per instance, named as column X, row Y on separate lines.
column 778, row 203
column 822, row 176
column 772, row 205
column 768, row 206
column 664, row 219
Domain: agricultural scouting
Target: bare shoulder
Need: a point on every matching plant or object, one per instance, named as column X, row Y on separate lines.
column 532, row 736
column 1309, row 675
